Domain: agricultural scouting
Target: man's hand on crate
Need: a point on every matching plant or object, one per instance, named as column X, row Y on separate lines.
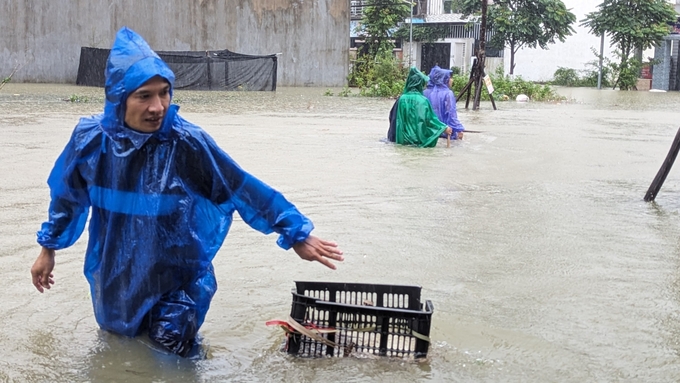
column 316, row 249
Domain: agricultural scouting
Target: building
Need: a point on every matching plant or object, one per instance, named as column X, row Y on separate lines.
column 578, row 49
column 456, row 50
column 533, row 64
column 44, row 38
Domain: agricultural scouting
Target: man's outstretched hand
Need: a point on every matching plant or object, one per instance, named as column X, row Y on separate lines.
column 42, row 270
column 316, row 249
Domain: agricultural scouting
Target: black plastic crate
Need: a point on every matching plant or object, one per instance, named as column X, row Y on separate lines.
column 383, row 320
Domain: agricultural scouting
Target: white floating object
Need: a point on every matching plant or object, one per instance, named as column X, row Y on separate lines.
column 522, row 98
column 657, row 91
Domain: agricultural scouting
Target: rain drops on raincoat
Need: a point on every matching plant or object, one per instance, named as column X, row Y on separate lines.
column 161, row 204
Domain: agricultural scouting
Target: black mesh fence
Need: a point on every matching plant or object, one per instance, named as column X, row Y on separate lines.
column 194, row 70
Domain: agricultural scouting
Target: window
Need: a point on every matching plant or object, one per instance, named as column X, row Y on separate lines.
column 450, row 7
column 356, row 8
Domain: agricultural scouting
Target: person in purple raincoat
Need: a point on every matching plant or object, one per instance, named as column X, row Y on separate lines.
column 443, row 100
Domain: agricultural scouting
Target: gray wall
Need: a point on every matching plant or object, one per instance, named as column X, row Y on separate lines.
column 45, row 36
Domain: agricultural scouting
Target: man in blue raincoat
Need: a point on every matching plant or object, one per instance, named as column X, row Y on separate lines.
column 162, row 196
column 443, row 100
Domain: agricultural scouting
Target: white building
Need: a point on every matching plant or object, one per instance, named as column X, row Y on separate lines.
column 540, row 65
column 533, row 64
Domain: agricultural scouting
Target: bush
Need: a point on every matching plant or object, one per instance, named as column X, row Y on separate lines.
column 382, row 76
column 506, row 88
column 566, row 77
column 583, row 78
column 627, row 73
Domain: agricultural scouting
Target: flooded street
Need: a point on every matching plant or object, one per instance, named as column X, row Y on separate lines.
column 532, row 240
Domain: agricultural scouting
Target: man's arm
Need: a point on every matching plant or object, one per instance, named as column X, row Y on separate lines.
column 265, row 209
column 316, row 249
column 41, row 271
column 268, row 211
column 66, row 217
column 69, row 204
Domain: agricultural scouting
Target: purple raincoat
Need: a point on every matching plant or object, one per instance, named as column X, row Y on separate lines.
column 443, row 100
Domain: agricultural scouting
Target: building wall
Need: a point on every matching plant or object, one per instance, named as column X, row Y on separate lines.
column 540, row 65
column 45, row 36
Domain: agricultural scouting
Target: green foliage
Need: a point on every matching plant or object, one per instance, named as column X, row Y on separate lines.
column 379, row 17
column 524, row 23
column 507, row 88
column 582, row 78
column 626, row 71
column 422, row 33
column 345, row 92
column 566, row 77
column 459, row 82
column 77, row 98
column 376, row 72
column 631, row 24
column 6, row 80
column 383, row 76
column 328, row 92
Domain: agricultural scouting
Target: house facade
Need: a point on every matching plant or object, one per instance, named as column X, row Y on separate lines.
column 456, row 50
column 533, row 64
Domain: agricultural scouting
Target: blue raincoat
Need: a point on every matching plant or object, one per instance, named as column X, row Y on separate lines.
column 162, row 205
column 443, row 100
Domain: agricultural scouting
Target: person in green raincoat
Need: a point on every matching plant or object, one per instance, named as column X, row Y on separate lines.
column 416, row 122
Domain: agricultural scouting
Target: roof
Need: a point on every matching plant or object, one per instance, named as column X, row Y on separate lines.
column 446, row 18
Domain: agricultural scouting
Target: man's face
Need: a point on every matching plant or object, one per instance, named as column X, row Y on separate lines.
column 146, row 106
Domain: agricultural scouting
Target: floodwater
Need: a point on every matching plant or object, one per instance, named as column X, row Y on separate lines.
column 531, row 239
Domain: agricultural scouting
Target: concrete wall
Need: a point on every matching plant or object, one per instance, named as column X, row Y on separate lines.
column 45, row 36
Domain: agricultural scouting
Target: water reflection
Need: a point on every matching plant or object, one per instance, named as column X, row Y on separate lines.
column 115, row 358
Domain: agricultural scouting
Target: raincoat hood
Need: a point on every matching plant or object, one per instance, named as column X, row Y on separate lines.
column 440, row 77
column 131, row 63
column 415, row 81
column 430, row 84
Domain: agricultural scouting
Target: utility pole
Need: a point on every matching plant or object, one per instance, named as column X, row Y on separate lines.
column 481, row 58
column 410, row 40
column 599, row 73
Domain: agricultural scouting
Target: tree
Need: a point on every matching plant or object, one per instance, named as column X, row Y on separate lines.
column 424, row 33
column 520, row 24
column 376, row 71
column 631, row 25
column 379, row 18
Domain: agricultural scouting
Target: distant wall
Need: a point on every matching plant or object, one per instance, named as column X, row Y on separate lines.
column 536, row 64
column 45, row 36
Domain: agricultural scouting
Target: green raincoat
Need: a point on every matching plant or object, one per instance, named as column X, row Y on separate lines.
column 416, row 122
